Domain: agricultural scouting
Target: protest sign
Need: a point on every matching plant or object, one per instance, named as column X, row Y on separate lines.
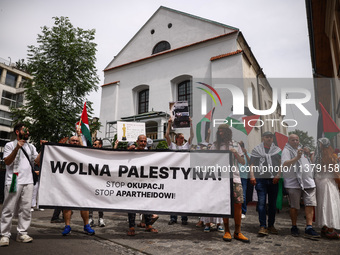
column 128, row 131
column 179, row 112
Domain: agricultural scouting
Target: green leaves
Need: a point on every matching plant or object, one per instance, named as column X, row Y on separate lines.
column 63, row 66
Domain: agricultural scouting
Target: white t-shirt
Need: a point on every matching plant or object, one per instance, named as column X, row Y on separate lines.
column 175, row 147
column 24, row 167
column 290, row 180
column 237, row 147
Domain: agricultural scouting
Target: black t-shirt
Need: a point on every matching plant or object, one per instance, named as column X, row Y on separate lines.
column 276, row 160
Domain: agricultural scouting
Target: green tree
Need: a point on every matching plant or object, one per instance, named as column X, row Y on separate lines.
column 63, row 67
column 305, row 139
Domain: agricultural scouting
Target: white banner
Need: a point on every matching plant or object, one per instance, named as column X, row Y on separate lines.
column 168, row 182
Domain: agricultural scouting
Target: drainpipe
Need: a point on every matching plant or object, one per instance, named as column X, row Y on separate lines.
column 259, row 96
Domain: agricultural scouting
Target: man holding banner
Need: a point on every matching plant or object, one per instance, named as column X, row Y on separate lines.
column 141, row 145
column 18, row 157
column 74, row 140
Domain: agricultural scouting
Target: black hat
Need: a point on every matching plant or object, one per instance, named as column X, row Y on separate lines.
column 267, row 133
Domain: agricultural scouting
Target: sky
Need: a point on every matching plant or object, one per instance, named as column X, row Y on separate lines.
column 276, row 31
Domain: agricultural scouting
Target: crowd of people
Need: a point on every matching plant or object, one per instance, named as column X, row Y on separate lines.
column 267, row 165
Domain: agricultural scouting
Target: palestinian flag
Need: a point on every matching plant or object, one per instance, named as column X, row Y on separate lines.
column 280, row 140
column 85, row 128
column 203, row 126
column 326, row 125
column 240, row 122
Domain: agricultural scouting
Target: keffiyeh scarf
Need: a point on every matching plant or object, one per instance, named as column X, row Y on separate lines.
column 259, row 152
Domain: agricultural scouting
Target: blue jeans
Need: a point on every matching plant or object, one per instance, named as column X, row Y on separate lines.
column 174, row 218
column 244, row 187
column 266, row 187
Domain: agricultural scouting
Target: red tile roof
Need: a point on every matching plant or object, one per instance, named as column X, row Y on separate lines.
column 226, row 55
column 168, row 51
column 111, row 83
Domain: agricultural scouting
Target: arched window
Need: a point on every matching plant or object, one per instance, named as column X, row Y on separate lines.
column 184, row 92
column 161, row 46
column 143, row 101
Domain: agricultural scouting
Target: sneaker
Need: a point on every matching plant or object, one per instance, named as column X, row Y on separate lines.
column 32, row 209
column 206, row 229
column 241, row 237
column 88, row 230
column 220, row 229
column 262, row 232
column 4, row 241
column 24, row 238
column 311, row 233
column 41, row 209
column 91, row 222
column 331, row 235
column 243, row 216
column 67, row 230
column 294, row 231
column 101, row 222
column 172, row 222
column 272, row 230
column 227, row 237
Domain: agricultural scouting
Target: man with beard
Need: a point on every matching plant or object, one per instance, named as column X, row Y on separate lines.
column 18, row 185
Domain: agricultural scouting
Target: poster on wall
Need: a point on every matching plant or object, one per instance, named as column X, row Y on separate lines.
column 129, row 131
column 179, row 112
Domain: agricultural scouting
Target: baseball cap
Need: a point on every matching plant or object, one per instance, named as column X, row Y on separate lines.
column 267, row 133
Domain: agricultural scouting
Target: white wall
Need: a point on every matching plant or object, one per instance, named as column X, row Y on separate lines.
column 185, row 30
column 157, row 73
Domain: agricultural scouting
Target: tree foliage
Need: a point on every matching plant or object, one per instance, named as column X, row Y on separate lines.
column 162, row 145
column 21, row 65
column 63, row 67
column 304, row 138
